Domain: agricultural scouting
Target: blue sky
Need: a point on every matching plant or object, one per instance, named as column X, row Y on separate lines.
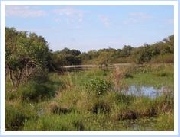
column 93, row 27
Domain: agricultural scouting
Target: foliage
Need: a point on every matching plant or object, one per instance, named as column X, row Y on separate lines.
column 65, row 57
column 101, row 107
column 74, row 109
column 158, row 75
column 165, row 122
column 49, row 101
column 68, row 122
column 34, row 91
column 162, row 51
column 128, row 54
column 14, row 118
column 98, row 85
column 27, row 51
column 25, row 55
column 16, row 114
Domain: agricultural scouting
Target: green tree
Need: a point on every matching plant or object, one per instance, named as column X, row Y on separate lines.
column 25, row 54
column 126, row 51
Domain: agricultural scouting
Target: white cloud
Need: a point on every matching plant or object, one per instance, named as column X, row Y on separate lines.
column 137, row 17
column 140, row 15
column 105, row 20
column 23, row 11
column 71, row 14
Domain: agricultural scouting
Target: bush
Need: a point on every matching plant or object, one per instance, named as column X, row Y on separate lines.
column 164, row 103
column 125, row 99
column 166, row 58
column 101, row 107
column 11, row 95
column 97, row 85
column 17, row 114
column 14, row 119
column 144, row 107
column 34, row 91
column 56, row 109
column 126, row 115
column 165, row 122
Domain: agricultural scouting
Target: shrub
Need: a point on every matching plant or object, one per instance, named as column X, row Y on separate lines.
column 14, row 120
column 166, row 58
column 126, row 115
column 79, row 125
column 101, row 107
column 164, row 103
column 16, row 115
column 125, row 99
column 144, row 107
column 68, row 98
column 34, row 91
column 11, row 95
column 56, row 109
column 99, row 86
column 165, row 122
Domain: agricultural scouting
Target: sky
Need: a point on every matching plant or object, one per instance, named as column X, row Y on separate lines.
column 93, row 27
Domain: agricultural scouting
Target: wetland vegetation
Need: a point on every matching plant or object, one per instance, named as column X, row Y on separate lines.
column 42, row 95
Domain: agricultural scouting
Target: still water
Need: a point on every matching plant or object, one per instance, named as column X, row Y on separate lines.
column 148, row 91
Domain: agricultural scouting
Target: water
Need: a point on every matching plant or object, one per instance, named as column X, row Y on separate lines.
column 150, row 91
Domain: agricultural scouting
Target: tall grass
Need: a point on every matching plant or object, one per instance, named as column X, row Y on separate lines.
column 157, row 75
column 16, row 113
column 68, row 122
column 76, row 106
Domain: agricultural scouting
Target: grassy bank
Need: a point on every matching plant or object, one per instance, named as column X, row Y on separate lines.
column 89, row 101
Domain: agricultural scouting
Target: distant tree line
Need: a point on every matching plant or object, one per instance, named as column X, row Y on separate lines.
column 26, row 53
column 160, row 52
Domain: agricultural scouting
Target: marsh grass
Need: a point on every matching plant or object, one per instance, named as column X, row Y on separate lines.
column 68, row 122
column 165, row 122
column 77, row 106
column 157, row 75
column 16, row 113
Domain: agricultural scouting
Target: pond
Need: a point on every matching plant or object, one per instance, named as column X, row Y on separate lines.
column 148, row 91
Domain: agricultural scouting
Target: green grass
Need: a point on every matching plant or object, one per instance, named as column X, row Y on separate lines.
column 76, row 106
column 158, row 76
column 68, row 122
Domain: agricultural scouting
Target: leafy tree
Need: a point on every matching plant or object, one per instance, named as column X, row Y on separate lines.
column 25, row 54
column 65, row 57
column 126, row 51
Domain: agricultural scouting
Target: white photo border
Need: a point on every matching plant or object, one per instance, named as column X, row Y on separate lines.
column 5, row 3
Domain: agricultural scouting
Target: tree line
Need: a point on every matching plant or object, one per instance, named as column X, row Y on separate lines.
column 27, row 54
column 159, row 52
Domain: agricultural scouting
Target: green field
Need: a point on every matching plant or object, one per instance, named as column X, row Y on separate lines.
column 93, row 100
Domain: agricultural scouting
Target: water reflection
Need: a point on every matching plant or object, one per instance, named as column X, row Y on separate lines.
column 150, row 91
